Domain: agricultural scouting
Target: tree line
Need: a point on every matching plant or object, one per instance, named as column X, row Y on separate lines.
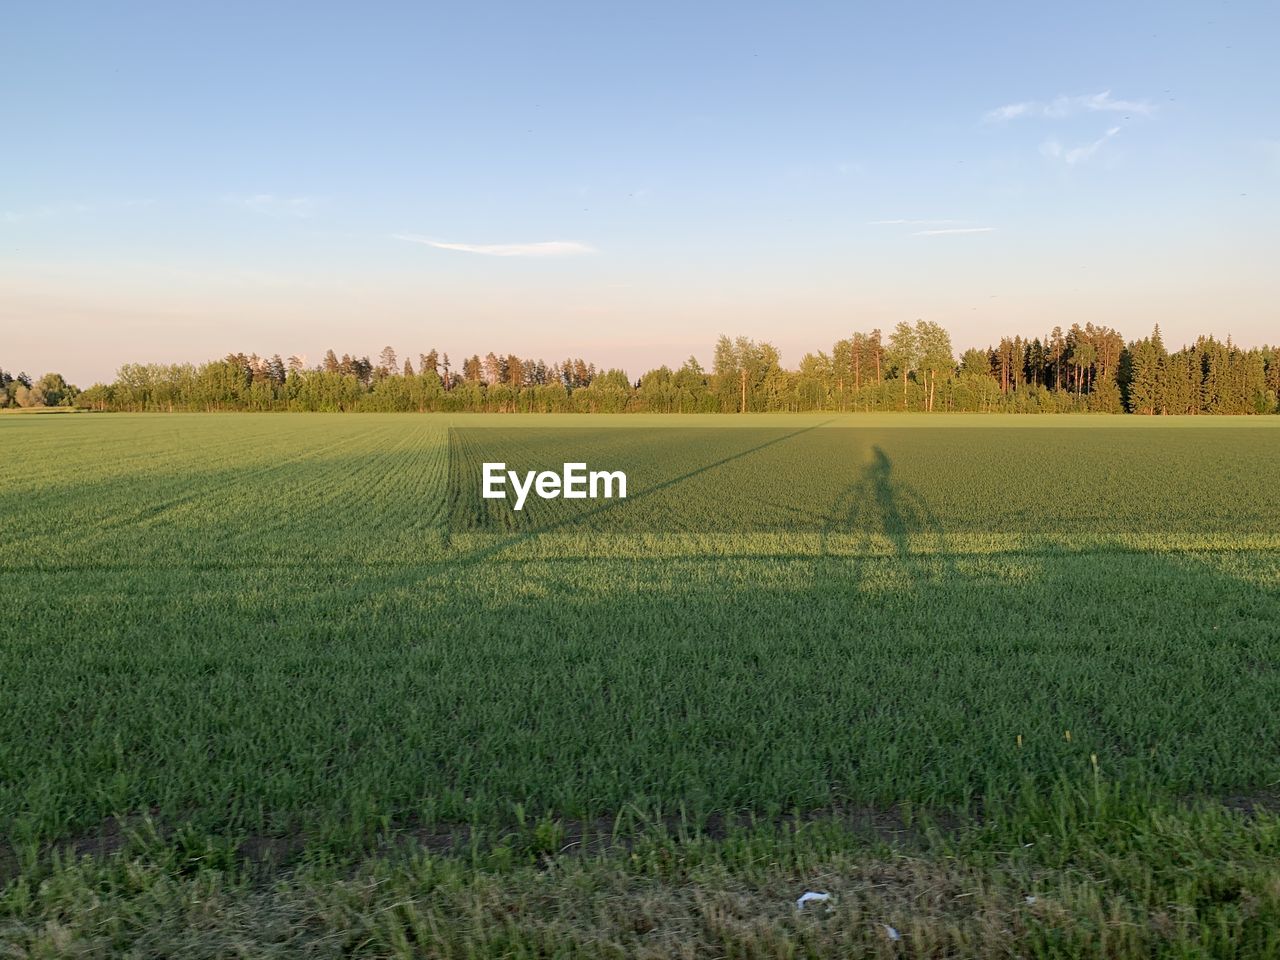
column 913, row 368
column 51, row 390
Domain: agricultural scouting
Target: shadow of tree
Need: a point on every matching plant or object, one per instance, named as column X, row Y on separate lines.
column 764, row 681
column 462, row 482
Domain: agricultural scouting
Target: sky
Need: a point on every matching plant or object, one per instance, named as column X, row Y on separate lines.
column 627, row 181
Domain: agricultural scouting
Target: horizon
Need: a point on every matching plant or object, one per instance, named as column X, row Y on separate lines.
column 307, row 362
column 627, row 186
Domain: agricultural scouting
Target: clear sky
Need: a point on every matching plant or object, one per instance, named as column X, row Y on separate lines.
column 627, row 181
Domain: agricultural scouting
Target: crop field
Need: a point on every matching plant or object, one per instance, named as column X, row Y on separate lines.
column 293, row 640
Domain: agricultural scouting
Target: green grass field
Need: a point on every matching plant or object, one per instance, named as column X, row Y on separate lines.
column 250, row 658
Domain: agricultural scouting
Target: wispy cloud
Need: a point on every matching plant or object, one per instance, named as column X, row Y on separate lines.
column 1075, row 155
column 952, row 230
column 1010, row 111
column 918, row 223
column 1064, row 106
column 274, row 204
column 546, row 248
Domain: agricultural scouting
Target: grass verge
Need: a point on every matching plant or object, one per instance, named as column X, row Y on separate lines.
column 1084, row 870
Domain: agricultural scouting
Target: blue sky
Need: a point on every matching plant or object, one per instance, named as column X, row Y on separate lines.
column 627, row 181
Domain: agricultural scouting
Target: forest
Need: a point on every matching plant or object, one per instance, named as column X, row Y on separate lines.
column 914, row 368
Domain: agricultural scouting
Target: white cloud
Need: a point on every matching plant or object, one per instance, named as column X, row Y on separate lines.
column 275, row 205
column 952, row 230
column 1081, row 154
column 918, row 223
column 1064, row 106
column 1102, row 102
column 1009, row 111
column 547, row 248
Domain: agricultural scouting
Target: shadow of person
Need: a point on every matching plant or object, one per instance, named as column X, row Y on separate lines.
column 878, row 511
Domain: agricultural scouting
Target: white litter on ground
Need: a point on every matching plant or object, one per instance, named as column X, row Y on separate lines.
column 891, row 933
column 810, row 897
